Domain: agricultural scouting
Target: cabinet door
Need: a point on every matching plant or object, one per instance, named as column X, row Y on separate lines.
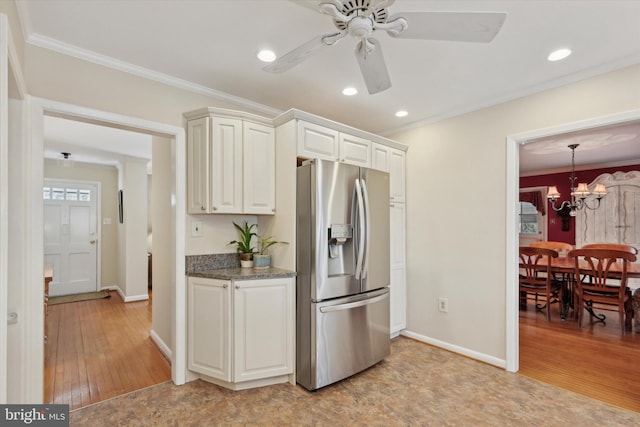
column 316, row 141
column 259, row 180
column 380, row 157
column 226, row 165
column 264, row 319
column 198, row 166
column 398, row 294
column 397, row 175
column 355, row 150
column 209, row 327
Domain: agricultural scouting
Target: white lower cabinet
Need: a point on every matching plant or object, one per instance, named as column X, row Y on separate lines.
column 241, row 332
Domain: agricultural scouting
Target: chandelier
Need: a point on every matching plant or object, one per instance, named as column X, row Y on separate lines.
column 579, row 194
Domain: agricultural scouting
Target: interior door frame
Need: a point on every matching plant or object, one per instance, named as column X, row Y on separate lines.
column 98, row 219
column 38, row 109
column 512, row 187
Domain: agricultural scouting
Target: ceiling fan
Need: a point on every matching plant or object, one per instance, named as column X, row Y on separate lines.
column 361, row 18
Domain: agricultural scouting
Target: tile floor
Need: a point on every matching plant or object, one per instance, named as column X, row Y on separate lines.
column 416, row 385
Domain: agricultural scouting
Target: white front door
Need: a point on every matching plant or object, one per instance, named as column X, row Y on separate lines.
column 70, row 236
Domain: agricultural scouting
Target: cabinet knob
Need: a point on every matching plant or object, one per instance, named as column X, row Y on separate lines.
column 202, row 208
column 215, row 208
column 237, row 286
column 225, row 286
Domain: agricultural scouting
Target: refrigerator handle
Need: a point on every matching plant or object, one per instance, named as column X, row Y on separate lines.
column 349, row 305
column 367, row 222
column 361, row 230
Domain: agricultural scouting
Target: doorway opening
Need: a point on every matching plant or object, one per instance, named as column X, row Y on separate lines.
column 594, row 339
column 173, row 343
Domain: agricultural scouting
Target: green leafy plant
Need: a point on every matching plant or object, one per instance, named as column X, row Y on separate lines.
column 246, row 234
column 264, row 243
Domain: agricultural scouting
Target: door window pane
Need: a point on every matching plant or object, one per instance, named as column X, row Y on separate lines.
column 57, row 193
column 72, row 194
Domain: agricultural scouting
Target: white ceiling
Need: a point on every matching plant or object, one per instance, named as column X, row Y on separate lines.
column 210, row 46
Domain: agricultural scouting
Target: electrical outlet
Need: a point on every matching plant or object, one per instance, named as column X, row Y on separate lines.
column 196, row 229
column 443, row 305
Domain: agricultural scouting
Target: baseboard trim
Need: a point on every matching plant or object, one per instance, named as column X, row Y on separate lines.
column 125, row 298
column 491, row 360
column 164, row 348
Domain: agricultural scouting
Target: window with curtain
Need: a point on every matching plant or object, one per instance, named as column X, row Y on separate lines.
column 528, row 218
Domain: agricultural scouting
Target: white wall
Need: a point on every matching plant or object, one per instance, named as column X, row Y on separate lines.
column 133, row 271
column 161, row 243
column 456, row 229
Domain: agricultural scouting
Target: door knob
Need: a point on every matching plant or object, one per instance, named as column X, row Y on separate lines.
column 93, row 242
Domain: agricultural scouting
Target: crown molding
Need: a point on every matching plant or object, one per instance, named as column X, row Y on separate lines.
column 96, row 58
column 531, row 90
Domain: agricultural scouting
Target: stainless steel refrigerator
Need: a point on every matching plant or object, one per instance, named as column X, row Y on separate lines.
column 343, row 271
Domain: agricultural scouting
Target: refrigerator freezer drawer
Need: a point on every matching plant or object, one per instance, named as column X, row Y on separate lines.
column 352, row 334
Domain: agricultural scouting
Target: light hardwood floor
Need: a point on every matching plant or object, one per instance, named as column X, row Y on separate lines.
column 100, row 349
column 595, row 361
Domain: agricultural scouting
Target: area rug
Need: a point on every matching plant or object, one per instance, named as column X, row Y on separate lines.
column 78, row 297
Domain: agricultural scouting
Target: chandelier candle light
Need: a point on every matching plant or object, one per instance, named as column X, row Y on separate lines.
column 579, row 194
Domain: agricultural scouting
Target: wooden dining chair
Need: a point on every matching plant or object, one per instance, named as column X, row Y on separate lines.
column 560, row 247
column 565, row 279
column 614, row 246
column 536, row 278
column 601, row 276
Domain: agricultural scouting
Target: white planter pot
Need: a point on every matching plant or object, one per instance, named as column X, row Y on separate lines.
column 246, row 264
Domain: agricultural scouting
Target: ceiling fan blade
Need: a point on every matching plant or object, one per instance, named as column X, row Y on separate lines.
column 372, row 65
column 296, row 56
column 478, row 27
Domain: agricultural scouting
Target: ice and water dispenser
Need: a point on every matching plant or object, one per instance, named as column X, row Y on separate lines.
column 341, row 255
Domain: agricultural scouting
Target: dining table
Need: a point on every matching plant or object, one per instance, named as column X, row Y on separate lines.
column 565, row 266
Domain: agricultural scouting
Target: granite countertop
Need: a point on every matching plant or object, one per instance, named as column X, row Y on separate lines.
column 244, row 273
column 227, row 267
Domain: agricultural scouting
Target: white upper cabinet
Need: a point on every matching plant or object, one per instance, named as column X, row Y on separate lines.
column 380, row 157
column 230, row 163
column 259, row 189
column 315, row 141
column 226, row 165
column 392, row 160
column 397, row 175
column 355, row 150
column 198, row 165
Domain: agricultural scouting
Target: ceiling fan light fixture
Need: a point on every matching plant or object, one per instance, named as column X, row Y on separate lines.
column 266, row 55
column 402, row 113
column 559, row 54
column 349, row 91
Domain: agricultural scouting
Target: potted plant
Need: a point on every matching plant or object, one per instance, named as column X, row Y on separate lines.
column 263, row 259
column 243, row 246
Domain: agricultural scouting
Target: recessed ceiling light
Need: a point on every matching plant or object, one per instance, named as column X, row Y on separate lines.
column 401, row 113
column 349, row 91
column 559, row 54
column 266, row 56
